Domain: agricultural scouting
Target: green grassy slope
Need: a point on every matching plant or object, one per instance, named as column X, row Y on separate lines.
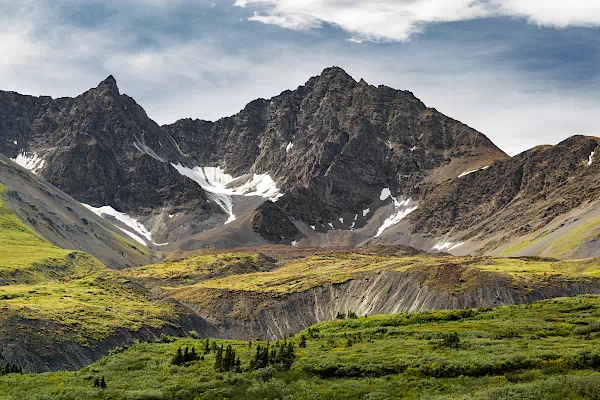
column 44, row 282
column 22, row 249
column 200, row 279
column 548, row 350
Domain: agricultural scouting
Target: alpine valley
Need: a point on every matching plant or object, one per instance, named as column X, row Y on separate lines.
column 374, row 240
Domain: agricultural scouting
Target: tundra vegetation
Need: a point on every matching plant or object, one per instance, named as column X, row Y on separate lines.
column 545, row 350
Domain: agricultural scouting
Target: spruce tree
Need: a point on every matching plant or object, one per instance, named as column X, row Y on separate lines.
column 102, row 383
column 303, row 341
column 96, row 382
column 206, row 347
column 238, row 365
column 219, row 360
column 178, row 359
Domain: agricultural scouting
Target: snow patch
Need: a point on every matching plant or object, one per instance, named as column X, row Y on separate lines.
column 30, row 161
column 330, row 225
column 260, row 185
column 132, row 223
column 442, row 246
column 470, row 172
column 447, row 246
column 217, row 184
column 15, row 142
column 294, row 243
column 143, row 147
column 341, row 220
column 591, row 158
column 289, row 147
column 366, row 212
column 313, row 227
column 385, row 193
column 401, row 211
column 456, row 245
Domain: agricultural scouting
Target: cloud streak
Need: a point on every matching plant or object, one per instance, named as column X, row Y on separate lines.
column 399, row 20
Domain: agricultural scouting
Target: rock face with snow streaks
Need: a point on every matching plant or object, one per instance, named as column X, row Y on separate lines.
column 322, row 152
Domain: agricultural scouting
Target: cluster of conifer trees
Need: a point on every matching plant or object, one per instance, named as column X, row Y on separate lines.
column 10, row 369
column 281, row 354
column 100, row 383
column 185, row 356
column 227, row 361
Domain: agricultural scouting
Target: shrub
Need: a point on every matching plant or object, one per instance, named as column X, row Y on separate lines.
column 587, row 329
column 450, row 340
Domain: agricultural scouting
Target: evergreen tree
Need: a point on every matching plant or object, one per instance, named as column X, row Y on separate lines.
column 193, row 355
column 238, row 365
column 219, row 360
column 186, row 354
column 102, row 383
column 206, row 347
column 96, row 382
column 303, row 341
column 213, row 347
column 178, row 359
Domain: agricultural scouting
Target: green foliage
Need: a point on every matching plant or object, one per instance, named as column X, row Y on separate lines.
column 282, row 354
column 185, row 356
column 450, row 340
column 499, row 355
column 9, row 368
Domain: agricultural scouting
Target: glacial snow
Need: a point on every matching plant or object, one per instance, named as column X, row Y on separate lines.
column 398, row 215
column 401, row 211
column 128, row 221
column 470, row 172
column 385, row 193
column 217, row 184
column 30, row 161
column 456, row 245
column 447, row 246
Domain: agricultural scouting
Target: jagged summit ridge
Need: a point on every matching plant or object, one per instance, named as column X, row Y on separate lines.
column 329, row 147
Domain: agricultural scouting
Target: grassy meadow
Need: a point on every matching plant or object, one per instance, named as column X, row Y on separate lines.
column 546, row 350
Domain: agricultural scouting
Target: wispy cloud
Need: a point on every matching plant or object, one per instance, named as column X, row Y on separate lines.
column 184, row 58
column 398, row 20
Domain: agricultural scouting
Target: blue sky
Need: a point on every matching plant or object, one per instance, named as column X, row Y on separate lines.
column 524, row 72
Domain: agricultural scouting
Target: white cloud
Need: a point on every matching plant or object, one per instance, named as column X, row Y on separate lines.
column 398, row 20
column 206, row 77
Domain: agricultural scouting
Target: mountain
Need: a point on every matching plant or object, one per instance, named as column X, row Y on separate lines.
column 336, row 162
column 312, row 162
column 543, row 201
column 63, row 222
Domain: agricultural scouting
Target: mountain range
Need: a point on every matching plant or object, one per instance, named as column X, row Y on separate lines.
column 335, row 163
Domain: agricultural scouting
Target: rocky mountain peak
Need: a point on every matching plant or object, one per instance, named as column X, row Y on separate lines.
column 109, row 85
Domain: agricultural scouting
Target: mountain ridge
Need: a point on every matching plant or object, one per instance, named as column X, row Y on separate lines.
column 324, row 153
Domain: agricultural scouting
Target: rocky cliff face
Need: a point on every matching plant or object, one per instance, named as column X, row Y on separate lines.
column 513, row 197
column 334, row 144
column 244, row 315
column 324, row 152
